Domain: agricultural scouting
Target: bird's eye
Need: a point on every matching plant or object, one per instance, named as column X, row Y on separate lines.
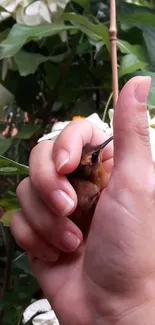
column 95, row 157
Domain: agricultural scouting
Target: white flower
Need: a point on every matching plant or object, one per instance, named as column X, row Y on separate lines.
column 61, row 3
column 32, row 13
column 46, row 316
column 10, row 5
column 4, row 15
column 52, row 5
column 152, row 135
column 38, row 8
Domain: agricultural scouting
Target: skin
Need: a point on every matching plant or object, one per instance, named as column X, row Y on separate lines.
column 109, row 279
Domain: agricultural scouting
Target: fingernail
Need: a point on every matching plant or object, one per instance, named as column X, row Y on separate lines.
column 69, row 241
column 61, row 159
column 62, row 202
column 142, row 89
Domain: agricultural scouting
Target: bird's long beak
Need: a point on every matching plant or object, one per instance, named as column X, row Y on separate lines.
column 104, row 144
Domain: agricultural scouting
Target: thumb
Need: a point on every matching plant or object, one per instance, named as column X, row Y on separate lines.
column 132, row 150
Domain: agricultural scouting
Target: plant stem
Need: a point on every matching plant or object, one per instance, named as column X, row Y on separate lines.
column 113, row 41
column 106, row 106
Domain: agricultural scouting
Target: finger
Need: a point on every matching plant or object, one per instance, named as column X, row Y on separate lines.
column 54, row 189
column 68, row 146
column 30, row 241
column 55, row 230
column 108, row 165
column 131, row 132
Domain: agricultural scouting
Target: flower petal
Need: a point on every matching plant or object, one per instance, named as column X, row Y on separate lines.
column 37, row 306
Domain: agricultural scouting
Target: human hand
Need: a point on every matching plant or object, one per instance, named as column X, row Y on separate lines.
column 110, row 278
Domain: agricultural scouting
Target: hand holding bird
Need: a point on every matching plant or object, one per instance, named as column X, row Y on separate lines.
column 107, row 278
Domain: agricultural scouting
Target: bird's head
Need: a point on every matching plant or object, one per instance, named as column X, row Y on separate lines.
column 90, row 159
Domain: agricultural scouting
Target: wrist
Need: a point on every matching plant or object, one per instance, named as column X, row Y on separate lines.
column 144, row 314
column 134, row 307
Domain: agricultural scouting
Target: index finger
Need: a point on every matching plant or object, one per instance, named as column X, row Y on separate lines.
column 67, row 148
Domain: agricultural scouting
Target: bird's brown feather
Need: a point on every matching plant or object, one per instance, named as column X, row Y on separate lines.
column 88, row 180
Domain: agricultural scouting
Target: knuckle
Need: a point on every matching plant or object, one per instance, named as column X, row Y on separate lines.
column 22, row 239
column 40, row 180
column 38, row 171
column 34, row 163
column 81, row 126
column 22, row 235
column 12, row 224
column 22, row 186
column 142, row 130
column 34, row 151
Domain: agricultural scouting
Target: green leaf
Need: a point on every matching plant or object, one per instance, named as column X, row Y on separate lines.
column 5, row 145
column 22, row 34
column 6, row 97
column 9, row 204
column 134, row 60
column 9, row 200
column 19, row 295
column 146, row 23
column 4, row 34
column 130, row 63
column 26, row 131
column 98, row 31
column 149, row 36
column 7, row 216
column 22, row 262
column 84, row 47
column 28, row 63
column 127, row 48
column 10, row 167
column 2, row 9
column 52, row 74
column 138, row 19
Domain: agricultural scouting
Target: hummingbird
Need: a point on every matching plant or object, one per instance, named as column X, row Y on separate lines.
column 88, row 180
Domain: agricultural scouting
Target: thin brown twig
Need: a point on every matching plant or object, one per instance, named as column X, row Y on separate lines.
column 113, row 41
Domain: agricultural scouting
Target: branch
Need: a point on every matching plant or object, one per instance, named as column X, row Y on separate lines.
column 113, row 41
